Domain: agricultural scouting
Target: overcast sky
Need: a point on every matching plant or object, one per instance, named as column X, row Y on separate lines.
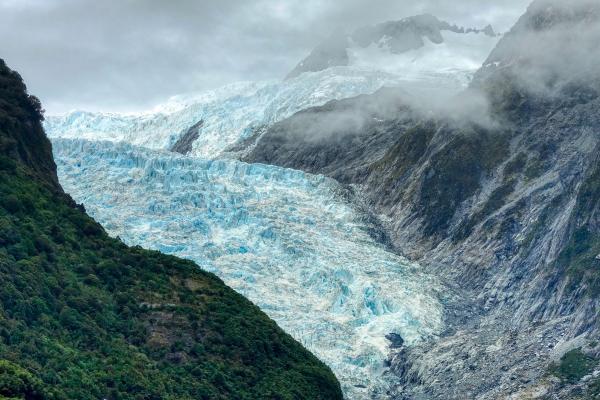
column 129, row 55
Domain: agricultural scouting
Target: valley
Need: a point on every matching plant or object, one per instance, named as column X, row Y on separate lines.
column 417, row 203
column 299, row 246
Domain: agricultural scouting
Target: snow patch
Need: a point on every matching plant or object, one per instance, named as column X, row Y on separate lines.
column 456, row 59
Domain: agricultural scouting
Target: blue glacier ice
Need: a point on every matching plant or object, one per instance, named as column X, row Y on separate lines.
column 291, row 242
column 229, row 113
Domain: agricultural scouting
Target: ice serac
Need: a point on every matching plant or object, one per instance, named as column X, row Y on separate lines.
column 289, row 241
column 419, row 44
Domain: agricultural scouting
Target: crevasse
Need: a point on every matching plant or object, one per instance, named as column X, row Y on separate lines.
column 287, row 240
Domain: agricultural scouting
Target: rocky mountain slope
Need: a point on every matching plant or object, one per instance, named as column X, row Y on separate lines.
column 498, row 194
column 403, row 37
column 82, row 316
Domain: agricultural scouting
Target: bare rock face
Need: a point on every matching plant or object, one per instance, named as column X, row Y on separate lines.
column 505, row 209
column 395, row 340
column 185, row 142
column 330, row 53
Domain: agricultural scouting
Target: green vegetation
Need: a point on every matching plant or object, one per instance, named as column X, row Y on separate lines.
column 531, row 167
column 579, row 258
column 455, row 172
column 397, row 162
column 573, row 366
column 407, row 151
column 82, row 316
column 16, row 383
column 593, row 391
column 496, row 200
column 539, row 228
column 507, row 97
column 516, row 165
column 21, row 135
column 535, row 168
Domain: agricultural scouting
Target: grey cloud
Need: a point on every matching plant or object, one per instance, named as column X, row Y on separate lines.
column 558, row 47
column 131, row 54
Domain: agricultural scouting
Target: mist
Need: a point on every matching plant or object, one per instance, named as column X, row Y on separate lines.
column 122, row 56
column 551, row 49
column 557, row 48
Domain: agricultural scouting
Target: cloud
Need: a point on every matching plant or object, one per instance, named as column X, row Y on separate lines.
column 131, row 54
column 388, row 110
column 555, row 45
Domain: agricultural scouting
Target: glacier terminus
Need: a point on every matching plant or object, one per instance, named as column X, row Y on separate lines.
column 291, row 242
column 302, row 247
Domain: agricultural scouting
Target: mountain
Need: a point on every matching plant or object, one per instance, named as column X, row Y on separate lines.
column 218, row 123
column 412, row 46
column 497, row 194
column 82, row 316
column 307, row 254
column 492, row 193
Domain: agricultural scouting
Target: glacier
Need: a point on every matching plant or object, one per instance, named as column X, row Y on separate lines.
column 235, row 112
column 299, row 246
column 230, row 113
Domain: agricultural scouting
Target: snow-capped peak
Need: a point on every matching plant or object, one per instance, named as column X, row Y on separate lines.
column 403, row 41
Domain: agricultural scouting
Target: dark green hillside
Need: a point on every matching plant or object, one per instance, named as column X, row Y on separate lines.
column 82, row 316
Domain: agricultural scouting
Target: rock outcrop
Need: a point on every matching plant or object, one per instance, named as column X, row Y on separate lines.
column 184, row 143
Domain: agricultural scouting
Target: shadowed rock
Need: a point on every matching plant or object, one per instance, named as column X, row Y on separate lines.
column 185, row 143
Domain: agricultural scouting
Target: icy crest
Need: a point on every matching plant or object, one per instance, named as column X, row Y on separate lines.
column 453, row 61
column 289, row 241
column 229, row 113
column 412, row 45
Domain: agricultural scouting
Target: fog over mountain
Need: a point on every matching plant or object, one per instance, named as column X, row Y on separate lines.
column 130, row 55
column 409, row 189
